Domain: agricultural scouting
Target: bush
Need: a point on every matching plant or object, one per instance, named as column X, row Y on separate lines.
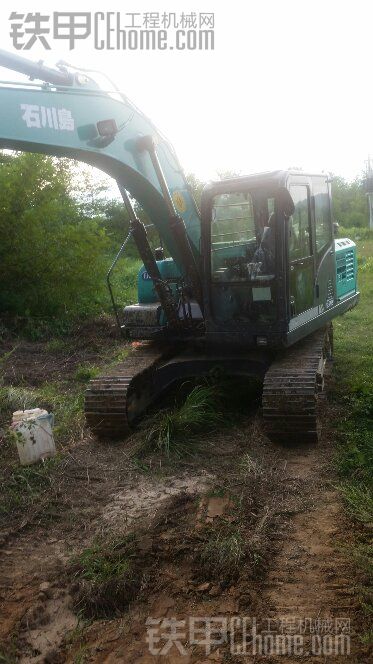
column 52, row 256
column 356, row 233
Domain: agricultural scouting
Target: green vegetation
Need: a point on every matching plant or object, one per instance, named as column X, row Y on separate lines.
column 25, row 484
column 65, row 403
column 85, row 373
column 354, row 388
column 22, row 486
column 51, row 252
column 222, row 553
column 107, row 576
column 59, row 237
column 173, row 431
column 359, row 499
column 350, row 206
column 354, row 393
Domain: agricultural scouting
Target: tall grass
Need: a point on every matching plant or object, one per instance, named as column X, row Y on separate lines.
column 354, row 393
column 107, row 575
column 222, row 554
column 174, row 431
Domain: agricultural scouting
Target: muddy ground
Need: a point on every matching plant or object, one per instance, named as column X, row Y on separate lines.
column 279, row 505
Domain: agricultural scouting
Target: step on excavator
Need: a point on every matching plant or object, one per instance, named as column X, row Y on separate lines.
column 246, row 286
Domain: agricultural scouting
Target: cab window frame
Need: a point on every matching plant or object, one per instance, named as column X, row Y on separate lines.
column 319, row 250
column 311, row 252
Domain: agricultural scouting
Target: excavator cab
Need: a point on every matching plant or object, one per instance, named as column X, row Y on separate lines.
column 269, row 258
column 242, row 249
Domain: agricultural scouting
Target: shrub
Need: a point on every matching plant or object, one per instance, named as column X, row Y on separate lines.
column 52, row 256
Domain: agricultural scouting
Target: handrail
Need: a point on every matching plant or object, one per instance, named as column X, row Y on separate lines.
column 109, row 285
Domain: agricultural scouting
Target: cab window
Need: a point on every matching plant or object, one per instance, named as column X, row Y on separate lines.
column 323, row 225
column 232, row 234
column 232, row 220
column 242, row 235
column 300, row 240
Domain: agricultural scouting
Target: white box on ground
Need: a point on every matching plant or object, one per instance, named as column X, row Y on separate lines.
column 34, row 436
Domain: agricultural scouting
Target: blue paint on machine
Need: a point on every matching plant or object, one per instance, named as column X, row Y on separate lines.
column 168, row 271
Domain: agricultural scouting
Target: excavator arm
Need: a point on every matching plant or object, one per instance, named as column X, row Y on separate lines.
column 68, row 115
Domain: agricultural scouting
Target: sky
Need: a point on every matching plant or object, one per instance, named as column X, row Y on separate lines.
column 288, row 84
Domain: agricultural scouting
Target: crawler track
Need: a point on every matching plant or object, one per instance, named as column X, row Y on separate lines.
column 114, row 400
column 291, row 391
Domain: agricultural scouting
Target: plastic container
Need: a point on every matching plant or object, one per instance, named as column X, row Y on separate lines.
column 34, row 436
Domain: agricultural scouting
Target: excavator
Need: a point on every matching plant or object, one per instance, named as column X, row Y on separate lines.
column 246, row 286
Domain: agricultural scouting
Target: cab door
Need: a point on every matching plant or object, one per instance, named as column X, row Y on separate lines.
column 301, row 256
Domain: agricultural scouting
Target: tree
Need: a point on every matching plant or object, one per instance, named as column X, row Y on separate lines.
column 52, row 257
column 349, row 202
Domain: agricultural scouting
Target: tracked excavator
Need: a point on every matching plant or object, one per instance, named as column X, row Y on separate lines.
column 248, row 286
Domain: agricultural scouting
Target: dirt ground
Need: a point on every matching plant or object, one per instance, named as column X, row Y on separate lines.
column 292, row 577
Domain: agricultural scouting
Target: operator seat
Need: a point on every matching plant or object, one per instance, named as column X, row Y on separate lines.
column 266, row 251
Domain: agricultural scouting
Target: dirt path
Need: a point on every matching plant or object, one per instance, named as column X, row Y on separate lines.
column 276, row 508
column 309, row 589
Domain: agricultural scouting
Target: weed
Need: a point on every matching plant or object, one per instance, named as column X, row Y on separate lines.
column 362, row 554
column 82, row 655
column 57, row 346
column 25, row 484
column 9, row 656
column 367, row 638
column 141, row 466
column 250, row 467
column 359, row 500
column 40, row 329
column 108, row 577
column 84, row 373
column 16, row 398
column 354, row 393
column 172, row 431
column 222, row 554
column 216, row 492
column 119, row 356
column 67, row 406
column 356, row 233
column 367, row 265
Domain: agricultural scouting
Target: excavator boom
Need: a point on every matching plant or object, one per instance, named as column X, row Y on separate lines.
column 70, row 116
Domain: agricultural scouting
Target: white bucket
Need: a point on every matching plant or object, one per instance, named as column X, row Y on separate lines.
column 34, row 436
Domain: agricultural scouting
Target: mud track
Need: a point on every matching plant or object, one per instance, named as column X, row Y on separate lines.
column 283, row 503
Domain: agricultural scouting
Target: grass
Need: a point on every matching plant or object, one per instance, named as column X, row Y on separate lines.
column 359, row 500
column 23, row 486
column 9, row 655
column 107, row 577
column 65, row 402
column 353, row 393
column 84, row 373
column 173, row 431
column 58, row 346
column 221, row 556
column 250, row 467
